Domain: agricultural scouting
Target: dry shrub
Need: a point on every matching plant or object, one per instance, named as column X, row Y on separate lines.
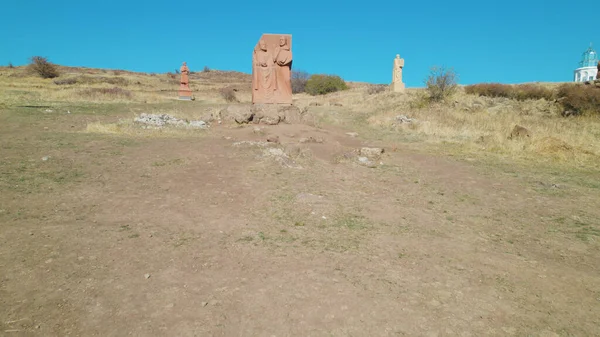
column 228, row 94
column 114, row 93
column 580, row 99
column 10, row 65
column 441, row 83
column 299, row 79
column 521, row 92
column 40, row 66
column 65, row 81
column 118, row 81
column 376, row 88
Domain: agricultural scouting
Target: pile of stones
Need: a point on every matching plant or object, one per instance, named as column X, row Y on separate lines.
column 168, row 120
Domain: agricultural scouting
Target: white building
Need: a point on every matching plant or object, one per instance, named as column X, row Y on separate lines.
column 588, row 67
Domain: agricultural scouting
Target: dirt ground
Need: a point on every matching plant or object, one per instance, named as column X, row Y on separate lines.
column 209, row 234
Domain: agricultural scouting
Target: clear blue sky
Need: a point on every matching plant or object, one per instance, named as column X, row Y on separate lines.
column 484, row 41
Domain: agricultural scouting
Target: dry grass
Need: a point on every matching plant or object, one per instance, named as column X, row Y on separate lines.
column 19, row 87
column 468, row 125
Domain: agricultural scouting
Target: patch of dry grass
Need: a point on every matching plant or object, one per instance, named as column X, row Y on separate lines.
column 470, row 124
column 19, row 87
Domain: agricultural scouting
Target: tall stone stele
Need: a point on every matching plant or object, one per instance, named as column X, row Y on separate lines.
column 185, row 93
column 397, row 85
column 272, row 70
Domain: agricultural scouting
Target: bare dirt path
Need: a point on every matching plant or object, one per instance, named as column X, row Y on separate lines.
column 201, row 236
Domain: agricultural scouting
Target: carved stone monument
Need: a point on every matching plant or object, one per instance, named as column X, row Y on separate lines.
column 397, row 85
column 272, row 70
column 185, row 93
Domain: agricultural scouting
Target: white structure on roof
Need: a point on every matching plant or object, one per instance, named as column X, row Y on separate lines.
column 588, row 67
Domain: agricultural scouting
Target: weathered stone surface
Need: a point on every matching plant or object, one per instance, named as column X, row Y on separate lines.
column 272, row 69
column 241, row 114
column 272, row 114
column 269, row 114
column 371, row 152
column 168, row 120
column 397, row 85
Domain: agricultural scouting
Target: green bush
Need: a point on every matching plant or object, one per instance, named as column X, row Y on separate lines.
column 441, row 83
column 40, row 65
column 324, row 84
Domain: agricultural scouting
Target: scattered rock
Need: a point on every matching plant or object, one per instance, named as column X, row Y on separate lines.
column 270, row 114
column 281, row 157
column 352, row 134
column 214, row 302
column 204, row 304
column 315, row 104
column 168, row 120
column 336, row 104
column 519, row 132
column 252, row 143
column 198, row 124
column 45, row 158
column 273, row 139
column 147, row 276
column 404, row 119
column 371, row 152
column 257, row 130
column 311, row 140
column 366, row 162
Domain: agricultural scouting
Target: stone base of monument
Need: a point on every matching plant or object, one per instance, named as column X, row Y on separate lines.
column 398, row 87
column 269, row 114
column 185, row 95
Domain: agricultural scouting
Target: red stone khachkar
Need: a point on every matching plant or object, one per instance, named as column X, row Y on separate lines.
column 185, row 92
column 272, row 69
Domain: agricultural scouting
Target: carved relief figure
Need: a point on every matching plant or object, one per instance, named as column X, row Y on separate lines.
column 185, row 92
column 271, row 70
column 283, row 61
column 185, row 72
column 264, row 82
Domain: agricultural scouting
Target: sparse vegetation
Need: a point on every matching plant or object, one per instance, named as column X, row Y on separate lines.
column 574, row 98
column 324, row 84
column 376, row 88
column 299, row 79
column 65, row 81
column 520, row 92
column 39, row 65
column 10, row 65
column 206, row 69
column 228, row 94
column 579, row 99
column 441, row 83
column 112, row 93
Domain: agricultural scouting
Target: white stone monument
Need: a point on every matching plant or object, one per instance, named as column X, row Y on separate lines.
column 397, row 85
